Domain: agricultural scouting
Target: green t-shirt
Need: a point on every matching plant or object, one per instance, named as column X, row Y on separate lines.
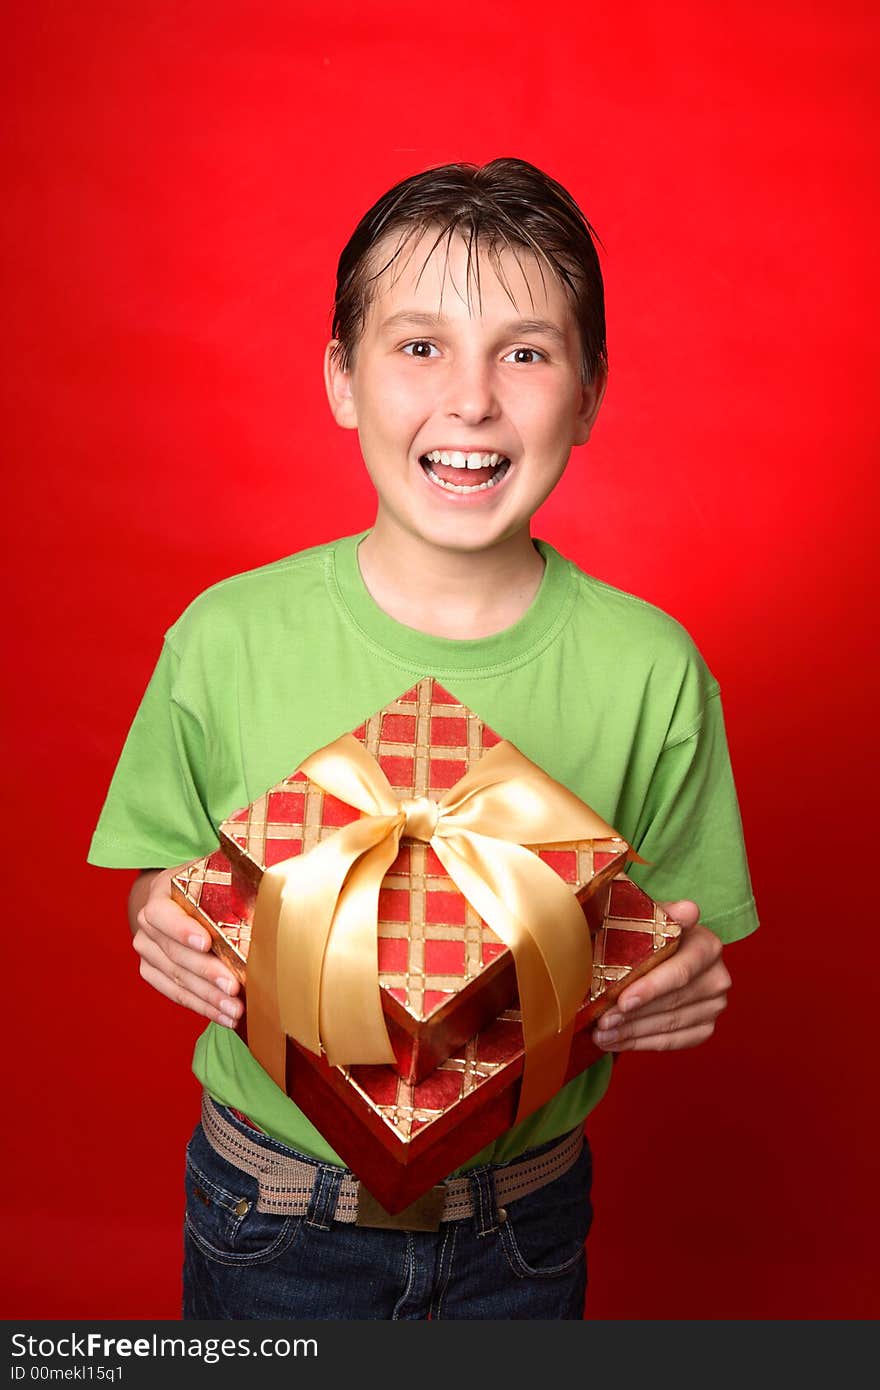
column 605, row 692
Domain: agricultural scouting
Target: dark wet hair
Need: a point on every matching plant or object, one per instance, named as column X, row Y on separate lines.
column 504, row 205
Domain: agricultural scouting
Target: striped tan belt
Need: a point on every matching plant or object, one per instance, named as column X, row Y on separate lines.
column 286, row 1182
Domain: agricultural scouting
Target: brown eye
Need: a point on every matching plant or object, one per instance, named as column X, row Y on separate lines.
column 524, row 357
column 420, row 348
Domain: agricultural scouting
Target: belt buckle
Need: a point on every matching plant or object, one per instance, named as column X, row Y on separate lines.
column 424, row 1214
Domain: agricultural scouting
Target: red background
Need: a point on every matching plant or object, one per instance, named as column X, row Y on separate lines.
column 181, row 178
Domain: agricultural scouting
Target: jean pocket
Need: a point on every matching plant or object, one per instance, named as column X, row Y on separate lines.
column 221, row 1211
column 544, row 1234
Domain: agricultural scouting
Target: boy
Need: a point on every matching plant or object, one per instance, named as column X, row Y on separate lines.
column 469, row 353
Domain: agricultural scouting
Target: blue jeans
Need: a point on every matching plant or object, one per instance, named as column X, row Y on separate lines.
column 240, row 1263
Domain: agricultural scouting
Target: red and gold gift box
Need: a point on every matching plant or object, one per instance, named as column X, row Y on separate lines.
column 404, row 888
column 443, row 972
column 401, row 1137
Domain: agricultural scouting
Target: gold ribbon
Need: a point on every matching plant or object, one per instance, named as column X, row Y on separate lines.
column 313, row 966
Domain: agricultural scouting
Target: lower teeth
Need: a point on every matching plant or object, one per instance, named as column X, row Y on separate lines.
column 477, row 487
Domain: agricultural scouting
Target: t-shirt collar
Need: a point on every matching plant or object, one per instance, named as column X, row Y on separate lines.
column 423, row 651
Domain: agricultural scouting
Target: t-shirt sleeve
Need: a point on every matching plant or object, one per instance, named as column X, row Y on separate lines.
column 155, row 814
column 691, row 833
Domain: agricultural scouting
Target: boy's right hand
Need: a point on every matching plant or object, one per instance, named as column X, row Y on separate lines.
column 175, row 951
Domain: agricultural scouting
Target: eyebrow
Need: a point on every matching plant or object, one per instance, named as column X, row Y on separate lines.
column 515, row 328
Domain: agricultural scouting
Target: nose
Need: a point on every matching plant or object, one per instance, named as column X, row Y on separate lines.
column 471, row 395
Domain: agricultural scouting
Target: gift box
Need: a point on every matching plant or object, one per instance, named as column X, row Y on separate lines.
column 401, row 1137
column 442, row 971
column 389, row 904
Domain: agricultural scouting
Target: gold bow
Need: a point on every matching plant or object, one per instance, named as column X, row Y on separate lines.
column 312, row 965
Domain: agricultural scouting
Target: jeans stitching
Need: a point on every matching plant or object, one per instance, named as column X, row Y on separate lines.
column 334, row 1183
column 445, row 1271
column 226, row 1201
column 220, row 1192
column 281, row 1242
column 483, row 1180
column 514, row 1255
column 524, row 1270
column 317, row 1204
column 226, row 1257
column 411, row 1270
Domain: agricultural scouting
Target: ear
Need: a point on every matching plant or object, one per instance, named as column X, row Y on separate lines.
column 338, row 386
column 592, row 396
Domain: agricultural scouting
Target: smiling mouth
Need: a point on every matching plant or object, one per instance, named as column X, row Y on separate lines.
column 460, row 472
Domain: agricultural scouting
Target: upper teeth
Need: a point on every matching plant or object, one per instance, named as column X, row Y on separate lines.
column 459, row 460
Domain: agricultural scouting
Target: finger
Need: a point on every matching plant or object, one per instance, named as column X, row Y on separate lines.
column 186, row 972
column 162, row 914
column 183, row 987
column 685, row 912
column 697, row 951
column 710, row 984
column 681, row 1020
column 179, row 994
column 184, row 942
column 667, row 1042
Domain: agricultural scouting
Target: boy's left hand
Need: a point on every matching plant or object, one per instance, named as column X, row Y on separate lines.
column 676, row 1004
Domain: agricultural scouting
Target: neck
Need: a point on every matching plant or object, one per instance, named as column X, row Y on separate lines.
column 458, row 594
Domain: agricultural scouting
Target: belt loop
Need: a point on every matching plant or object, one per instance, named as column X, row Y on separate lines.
column 485, row 1206
column 325, row 1193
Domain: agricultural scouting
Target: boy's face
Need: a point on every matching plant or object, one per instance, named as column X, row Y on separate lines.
column 436, row 382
